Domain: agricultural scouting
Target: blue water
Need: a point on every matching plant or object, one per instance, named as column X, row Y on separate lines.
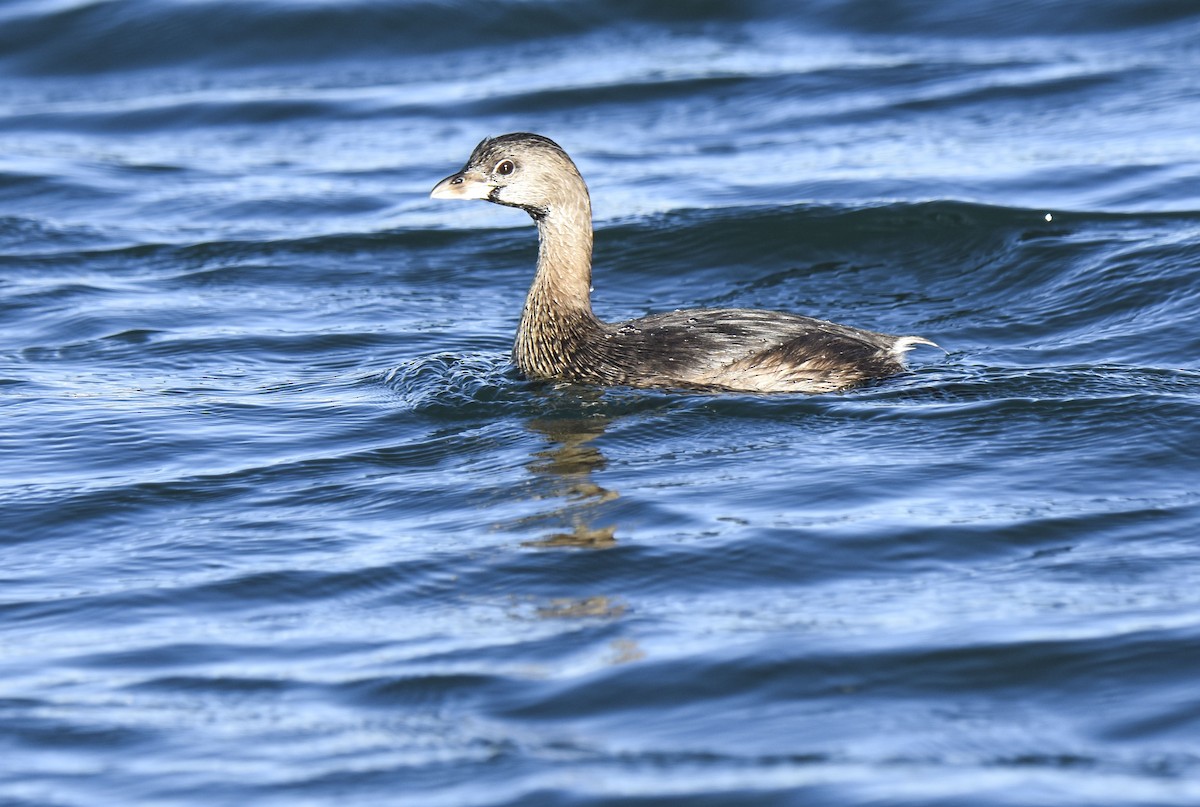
column 280, row 525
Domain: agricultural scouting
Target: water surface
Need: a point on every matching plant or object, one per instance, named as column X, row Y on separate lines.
column 281, row 525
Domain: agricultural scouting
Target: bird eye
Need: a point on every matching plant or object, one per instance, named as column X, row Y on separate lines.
column 504, row 167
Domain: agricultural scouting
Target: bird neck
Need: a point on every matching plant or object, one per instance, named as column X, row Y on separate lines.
column 564, row 268
column 558, row 311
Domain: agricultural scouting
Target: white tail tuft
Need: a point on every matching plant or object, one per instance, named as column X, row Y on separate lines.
column 907, row 343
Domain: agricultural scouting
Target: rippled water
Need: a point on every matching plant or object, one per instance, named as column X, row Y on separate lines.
column 280, row 524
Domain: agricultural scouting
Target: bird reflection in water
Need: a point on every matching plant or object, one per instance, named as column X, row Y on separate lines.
column 566, row 469
column 562, row 471
column 621, row 650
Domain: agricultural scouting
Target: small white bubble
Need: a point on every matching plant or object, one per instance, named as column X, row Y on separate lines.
column 1049, row 217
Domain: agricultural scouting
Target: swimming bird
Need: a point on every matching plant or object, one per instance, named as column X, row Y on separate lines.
column 718, row 349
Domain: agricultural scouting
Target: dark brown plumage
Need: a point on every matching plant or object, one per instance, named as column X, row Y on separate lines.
column 559, row 337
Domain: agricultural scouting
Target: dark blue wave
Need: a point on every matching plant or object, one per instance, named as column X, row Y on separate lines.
column 983, row 20
column 125, row 35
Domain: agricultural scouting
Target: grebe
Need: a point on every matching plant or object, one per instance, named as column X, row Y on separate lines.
column 730, row 349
